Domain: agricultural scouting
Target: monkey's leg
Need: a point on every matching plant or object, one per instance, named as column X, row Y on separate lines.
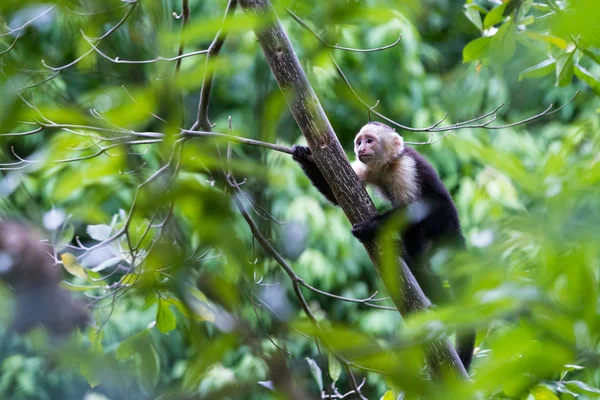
column 434, row 289
column 439, row 295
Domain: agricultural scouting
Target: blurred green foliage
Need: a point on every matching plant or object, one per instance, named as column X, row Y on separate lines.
column 188, row 305
column 562, row 34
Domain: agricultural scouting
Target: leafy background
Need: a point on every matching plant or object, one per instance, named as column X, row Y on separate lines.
column 201, row 306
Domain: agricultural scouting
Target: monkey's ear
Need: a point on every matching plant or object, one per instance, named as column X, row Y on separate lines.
column 398, row 144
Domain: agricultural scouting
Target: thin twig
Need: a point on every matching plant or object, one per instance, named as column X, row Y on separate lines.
column 91, row 14
column 335, row 46
column 270, row 250
column 12, row 45
column 27, row 23
column 237, row 139
column 117, row 60
column 214, row 49
column 460, row 125
column 132, row 5
column 185, row 14
column 130, row 137
column 263, row 325
column 365, row 301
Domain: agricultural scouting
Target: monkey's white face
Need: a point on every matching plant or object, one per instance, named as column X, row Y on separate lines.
column 367, row 147
column 377, row 145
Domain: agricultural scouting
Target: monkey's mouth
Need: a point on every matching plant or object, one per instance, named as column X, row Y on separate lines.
column 364, row 157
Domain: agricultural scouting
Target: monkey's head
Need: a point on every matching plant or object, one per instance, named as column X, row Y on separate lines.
column 377, row 144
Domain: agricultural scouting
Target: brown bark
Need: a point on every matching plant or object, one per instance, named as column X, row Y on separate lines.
column 333, row 163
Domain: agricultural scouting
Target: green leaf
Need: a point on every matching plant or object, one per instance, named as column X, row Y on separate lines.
column 553, row 40
column 128, row 347
column 573, row 367
column 541, row 392
column 149, row 367
column 564, row 69
column 65, row 236
column 165, row 319
column 99, row 232
column 315, row 372
column 197, row 294
column 588, row 78
column 473, row 15
column 538, row 70
column 477, row 49
column 129, row 279
column 541, row 7
column 495, row 16
column 111, row 262
column 140, row 346
column 389, row 395
column 179, row 305
column 90, row 373
column 335, row 368
column 70, row 263
column 95, row 338
column 563, row 389
column 93, row 276
column 527, row 20
column 582, row 388
column 591, row 55
column 503, row 44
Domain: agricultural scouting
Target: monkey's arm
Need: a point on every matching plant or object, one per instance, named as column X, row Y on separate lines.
column 311, row 170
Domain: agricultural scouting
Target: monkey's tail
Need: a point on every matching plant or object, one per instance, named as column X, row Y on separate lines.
column 465, row 344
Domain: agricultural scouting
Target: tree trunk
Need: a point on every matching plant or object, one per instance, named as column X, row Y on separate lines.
column 333, row 163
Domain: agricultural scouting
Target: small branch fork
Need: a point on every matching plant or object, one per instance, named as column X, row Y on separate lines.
column 19, row 31
column 337, row 395
column 214, row 49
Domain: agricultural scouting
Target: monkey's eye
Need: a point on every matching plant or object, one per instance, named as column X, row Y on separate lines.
column 358, row 142
column 369, row 140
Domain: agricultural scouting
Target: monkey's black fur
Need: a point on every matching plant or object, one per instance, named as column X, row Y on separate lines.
column 437, row 224
column 301, row 154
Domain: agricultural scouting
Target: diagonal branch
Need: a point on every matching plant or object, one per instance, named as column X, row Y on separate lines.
column 331, row 160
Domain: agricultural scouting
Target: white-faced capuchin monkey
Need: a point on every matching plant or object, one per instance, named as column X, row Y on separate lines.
column 402, row 176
